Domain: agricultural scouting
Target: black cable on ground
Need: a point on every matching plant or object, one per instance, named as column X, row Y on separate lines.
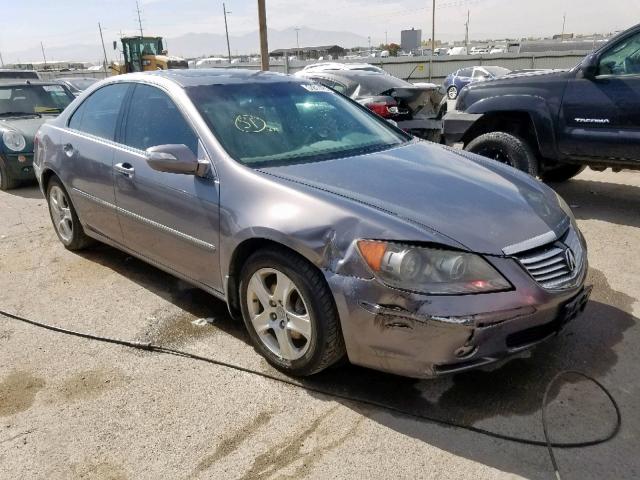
column 510, row 438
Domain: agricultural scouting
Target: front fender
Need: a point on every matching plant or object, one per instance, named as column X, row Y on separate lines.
column 535, row 106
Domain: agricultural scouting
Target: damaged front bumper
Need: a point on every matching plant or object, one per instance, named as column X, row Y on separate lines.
column 424, row 336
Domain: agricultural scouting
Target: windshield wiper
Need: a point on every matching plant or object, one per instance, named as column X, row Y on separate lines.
column 16, row 114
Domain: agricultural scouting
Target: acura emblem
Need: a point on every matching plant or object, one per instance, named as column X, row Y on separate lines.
column 570, row 258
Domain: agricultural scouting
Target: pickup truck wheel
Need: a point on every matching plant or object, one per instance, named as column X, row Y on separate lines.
column 505, row 148
column 452, row 92
column 289, row 312
column 561, row 173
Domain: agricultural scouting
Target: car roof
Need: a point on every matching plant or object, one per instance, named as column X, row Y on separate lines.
column 63, row 79
column 209, row 76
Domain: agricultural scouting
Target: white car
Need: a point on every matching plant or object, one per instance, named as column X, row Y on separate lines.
column 458, row 51
column 328, row 66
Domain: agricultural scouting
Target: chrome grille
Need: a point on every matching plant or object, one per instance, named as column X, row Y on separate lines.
column 556, row 264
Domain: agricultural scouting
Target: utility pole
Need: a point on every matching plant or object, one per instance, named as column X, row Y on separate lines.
column 433, row 37
column 226, row 29
column 264, row 46
column 1, row 60
column 104, row 50
column 369, row 40
column 386, row 38
column 466, row 33
column 139, row 19
column 43, row 55
column 564, row 20
column 297, row 43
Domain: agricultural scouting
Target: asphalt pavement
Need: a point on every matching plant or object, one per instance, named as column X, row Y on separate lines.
column 75, row 408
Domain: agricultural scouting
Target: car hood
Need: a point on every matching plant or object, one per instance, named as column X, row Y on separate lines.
column 27, row 126
column 524, row 77
column 476, row 202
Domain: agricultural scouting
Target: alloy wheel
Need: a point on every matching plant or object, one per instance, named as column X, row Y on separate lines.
column 61, row 213
column 279, row 314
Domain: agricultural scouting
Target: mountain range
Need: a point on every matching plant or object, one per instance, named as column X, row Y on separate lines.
column 192, row 45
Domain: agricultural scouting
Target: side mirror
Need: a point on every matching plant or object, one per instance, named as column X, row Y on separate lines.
column 590, row 67
column 175, row 159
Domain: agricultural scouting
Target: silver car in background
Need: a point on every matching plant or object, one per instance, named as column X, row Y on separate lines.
column 327, row 229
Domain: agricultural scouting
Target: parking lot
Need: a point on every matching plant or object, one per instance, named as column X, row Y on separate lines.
column 74, row 408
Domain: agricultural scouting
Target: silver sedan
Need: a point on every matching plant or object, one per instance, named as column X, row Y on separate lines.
column 328, row 230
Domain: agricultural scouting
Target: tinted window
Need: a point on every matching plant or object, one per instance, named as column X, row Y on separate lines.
column 465, row 72
column 98, row 114
column 623, row 58
column 154, row 119
column 263, row 124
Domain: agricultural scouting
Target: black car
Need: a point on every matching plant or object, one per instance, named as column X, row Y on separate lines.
column 77, row 85
column 417, row 109
column 553, row 124
column 24, row 106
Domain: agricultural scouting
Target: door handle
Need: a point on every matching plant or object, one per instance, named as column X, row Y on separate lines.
column 125, row 169
column 68, row 149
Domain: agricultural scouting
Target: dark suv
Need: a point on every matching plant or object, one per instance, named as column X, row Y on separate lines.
column 555, row 123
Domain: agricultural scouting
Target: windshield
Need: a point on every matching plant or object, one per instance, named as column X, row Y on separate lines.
column 284, row 123
column 33, row 99
column 497, row 71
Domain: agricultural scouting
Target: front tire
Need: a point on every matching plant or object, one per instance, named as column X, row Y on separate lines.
column 505, row 148
column 561, row 173
column 7, row 182
column 289, row 312
column 64, row 217
column 452, row 92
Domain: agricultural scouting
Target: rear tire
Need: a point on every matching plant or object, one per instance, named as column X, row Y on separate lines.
column 505, row 148
column 64, row 217
column 452, row 92
column 7, row 182
column 561, row 173
column 272, row 318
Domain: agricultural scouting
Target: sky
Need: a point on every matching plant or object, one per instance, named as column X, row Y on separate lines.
column 69, row 22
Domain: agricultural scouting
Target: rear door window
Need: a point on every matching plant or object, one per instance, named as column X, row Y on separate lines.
column 153, row 119
column 98, row 114
column 465, row 72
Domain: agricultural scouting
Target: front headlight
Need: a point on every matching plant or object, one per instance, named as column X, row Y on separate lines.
column 14, row 140
column 430, row 270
